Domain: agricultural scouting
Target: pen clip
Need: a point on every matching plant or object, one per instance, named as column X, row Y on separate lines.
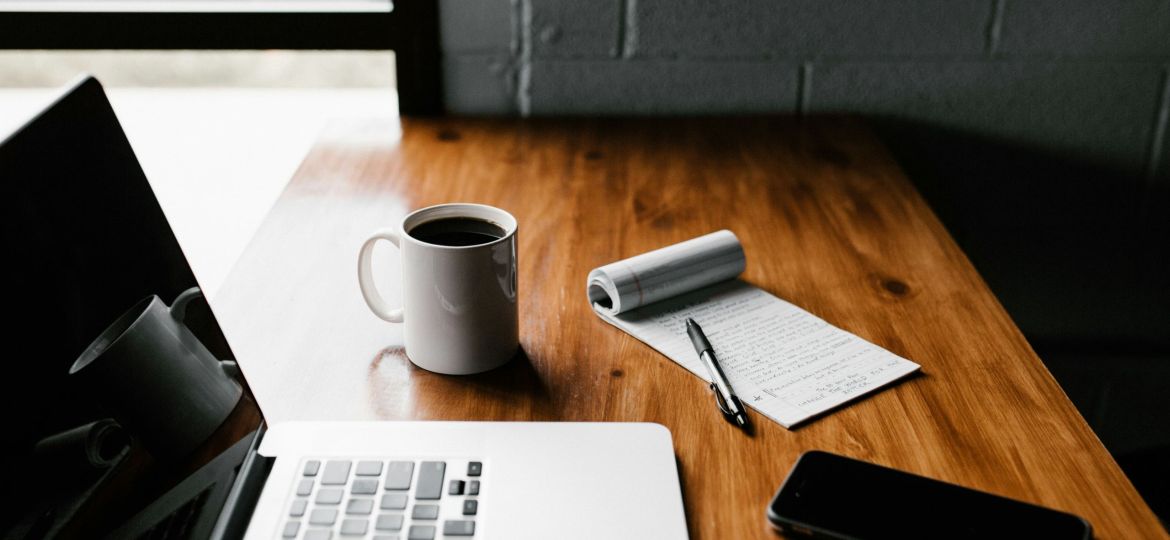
column 720, row 401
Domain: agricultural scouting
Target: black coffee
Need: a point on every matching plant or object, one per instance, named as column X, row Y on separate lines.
column 457, row 231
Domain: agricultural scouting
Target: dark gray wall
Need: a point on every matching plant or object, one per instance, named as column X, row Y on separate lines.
column 1078, row 76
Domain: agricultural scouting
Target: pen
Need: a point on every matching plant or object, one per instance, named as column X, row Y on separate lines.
column 725, row 397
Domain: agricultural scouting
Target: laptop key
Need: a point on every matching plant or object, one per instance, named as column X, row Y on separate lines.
column 386, row 537
column 354, row 527
column 323, row 516
column 398, row 475
column 369, row 468
column 298, row 508
column 336, row 473
column 455, row 487
column 290, row 529
column 359, row 507
column 430, row 480
column 473, row 487
column 311, row 467
column 330, row 495
column 470, row 506
column 421, row 532
column 305, row 487
column 475, row 468
column 394, row 501
column 389, row 522
column 364, row 486
column 458, row 528
column 318, row 534
column 425, row 511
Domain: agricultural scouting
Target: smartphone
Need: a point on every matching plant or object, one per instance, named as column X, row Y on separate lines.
column 830, row 496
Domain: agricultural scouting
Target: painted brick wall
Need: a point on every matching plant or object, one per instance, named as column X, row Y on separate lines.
column 1072, row 76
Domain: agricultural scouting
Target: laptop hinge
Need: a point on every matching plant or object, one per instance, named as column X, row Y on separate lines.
column 241, row 500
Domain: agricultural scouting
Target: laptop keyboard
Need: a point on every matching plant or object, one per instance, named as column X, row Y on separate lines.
column 384, row 499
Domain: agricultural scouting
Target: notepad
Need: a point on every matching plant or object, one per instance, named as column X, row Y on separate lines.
column 782, row 361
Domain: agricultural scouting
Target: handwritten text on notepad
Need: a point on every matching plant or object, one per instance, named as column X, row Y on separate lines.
column 787, row 363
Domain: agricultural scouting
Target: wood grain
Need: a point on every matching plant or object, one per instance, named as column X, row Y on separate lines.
column 828, row 221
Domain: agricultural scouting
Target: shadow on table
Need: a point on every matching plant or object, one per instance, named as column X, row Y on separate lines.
column 1076, row 250
column 517, row 377
column 401, row 390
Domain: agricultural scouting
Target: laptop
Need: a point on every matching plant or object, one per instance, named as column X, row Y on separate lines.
column 85, row 239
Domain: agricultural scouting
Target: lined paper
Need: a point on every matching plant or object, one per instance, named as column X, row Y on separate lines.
column 783, row 361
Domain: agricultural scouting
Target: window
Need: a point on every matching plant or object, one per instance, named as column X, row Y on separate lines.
column 409, row 28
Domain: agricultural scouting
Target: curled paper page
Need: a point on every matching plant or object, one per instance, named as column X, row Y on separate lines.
column 631, row 283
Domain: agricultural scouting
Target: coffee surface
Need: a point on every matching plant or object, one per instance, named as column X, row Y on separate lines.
column 457, row 231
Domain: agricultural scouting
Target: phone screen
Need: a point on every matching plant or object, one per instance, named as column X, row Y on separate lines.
column 832, row 496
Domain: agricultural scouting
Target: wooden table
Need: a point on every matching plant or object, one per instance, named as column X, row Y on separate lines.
column 828, row 221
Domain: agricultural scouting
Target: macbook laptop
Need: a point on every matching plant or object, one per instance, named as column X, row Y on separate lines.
column 85, row 240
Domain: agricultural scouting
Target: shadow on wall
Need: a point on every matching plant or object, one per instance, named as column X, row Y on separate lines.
column 1079, row 255
column 1077, row 252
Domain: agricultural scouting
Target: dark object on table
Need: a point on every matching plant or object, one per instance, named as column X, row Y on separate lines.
column 87, row 239
column 830, row 496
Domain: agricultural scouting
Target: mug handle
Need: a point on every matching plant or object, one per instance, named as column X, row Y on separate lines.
column 178, row 312
column 179, row 306
column 366, row 278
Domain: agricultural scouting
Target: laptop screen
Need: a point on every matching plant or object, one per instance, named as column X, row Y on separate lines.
column 107, row 375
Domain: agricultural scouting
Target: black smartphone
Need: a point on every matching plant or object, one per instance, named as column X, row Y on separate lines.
column 830, row 496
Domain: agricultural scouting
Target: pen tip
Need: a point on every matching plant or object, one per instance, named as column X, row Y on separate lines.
column 690, row 321
column 739, row 418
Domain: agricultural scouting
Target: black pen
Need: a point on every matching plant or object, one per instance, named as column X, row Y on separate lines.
column 725, row 397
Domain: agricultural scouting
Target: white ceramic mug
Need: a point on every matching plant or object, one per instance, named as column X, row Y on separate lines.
column 458, row 302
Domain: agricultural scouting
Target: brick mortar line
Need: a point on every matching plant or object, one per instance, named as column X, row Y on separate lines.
column 1161, row 119
column 524, row 59
column 619, row 50
column 803, row 87
column 995, row 27
column 514, row 18
column 1081, row 58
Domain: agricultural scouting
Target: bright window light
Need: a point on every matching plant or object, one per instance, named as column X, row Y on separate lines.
column 198, row 6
